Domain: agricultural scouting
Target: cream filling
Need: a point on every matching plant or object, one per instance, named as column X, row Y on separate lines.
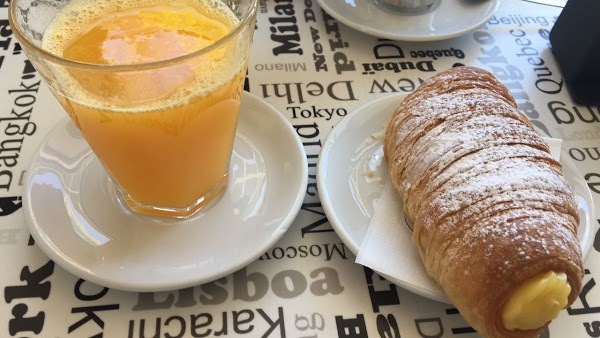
column 536, row 302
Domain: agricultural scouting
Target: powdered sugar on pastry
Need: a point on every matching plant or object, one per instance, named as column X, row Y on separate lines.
column 491, row 209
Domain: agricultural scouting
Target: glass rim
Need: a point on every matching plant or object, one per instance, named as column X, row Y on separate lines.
column 24, row 40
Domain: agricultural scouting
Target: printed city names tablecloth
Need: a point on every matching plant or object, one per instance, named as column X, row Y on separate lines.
column 315, row 71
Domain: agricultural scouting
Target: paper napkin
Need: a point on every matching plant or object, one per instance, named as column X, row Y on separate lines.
column 387, row 247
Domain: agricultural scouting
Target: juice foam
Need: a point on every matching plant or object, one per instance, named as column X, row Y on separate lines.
column 134, row 32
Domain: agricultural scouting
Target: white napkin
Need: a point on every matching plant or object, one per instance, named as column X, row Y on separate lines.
column 387, row 247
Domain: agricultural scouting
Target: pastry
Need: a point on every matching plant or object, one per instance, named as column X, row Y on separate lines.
column 495, row 222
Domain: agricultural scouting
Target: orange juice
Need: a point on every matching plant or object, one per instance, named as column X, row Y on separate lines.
column 164, row 133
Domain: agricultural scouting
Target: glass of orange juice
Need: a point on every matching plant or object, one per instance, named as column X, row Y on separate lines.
column 154, row 86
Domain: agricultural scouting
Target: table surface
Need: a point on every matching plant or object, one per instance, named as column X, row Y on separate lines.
column 297, row 48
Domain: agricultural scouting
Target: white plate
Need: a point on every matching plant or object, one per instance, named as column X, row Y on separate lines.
column 450, row 19
column 347, row 194
column 74, row 220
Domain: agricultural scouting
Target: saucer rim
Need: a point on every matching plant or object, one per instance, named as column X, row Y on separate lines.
column 370, row 30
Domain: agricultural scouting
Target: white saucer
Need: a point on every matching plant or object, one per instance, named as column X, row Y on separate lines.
column 354, row 148
column 450, row 19
column 73, row 219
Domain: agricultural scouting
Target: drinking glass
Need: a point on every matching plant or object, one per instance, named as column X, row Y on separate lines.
column 163, row 128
